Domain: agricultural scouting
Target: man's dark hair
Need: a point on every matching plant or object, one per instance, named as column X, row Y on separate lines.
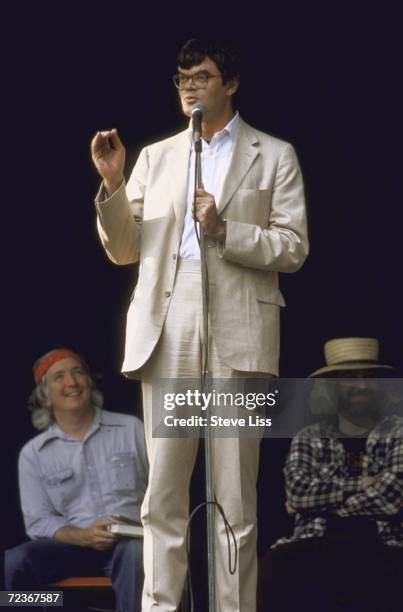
column 223, row 53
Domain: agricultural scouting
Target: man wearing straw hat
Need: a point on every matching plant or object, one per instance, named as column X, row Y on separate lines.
column 344, row 486
column 86, row 465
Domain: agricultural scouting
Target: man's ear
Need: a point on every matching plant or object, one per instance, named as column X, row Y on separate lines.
column 232, row 86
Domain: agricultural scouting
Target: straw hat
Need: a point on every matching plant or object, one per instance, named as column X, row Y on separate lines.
column 344, row 354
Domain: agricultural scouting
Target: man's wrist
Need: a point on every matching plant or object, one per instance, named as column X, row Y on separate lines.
column 70, row 534
column 111, row 186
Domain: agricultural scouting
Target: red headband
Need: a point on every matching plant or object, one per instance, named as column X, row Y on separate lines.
column 43, row 366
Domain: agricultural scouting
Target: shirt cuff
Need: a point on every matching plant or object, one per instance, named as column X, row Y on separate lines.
column 102, row 197
column 46, row 528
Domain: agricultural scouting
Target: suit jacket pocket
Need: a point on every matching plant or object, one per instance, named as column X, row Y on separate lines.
column 250, row 206
column 269, row 295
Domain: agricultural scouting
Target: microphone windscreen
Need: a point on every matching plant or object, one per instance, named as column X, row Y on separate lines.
column 197, row 108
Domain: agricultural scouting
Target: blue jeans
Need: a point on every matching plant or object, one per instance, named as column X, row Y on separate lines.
column 40, row 562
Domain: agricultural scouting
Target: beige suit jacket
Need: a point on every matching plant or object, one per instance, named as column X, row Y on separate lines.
column 263, row 202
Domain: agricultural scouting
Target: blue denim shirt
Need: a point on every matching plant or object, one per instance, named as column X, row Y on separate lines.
column 65, row 481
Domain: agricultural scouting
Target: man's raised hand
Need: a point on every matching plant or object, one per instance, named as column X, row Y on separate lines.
column 108, row 155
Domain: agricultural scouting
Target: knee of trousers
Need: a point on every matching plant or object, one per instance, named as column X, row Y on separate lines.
column 166, row 499
column 241, row 515
column 19, row 563
column 129, row 552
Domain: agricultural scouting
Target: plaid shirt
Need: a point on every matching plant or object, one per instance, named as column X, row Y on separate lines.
column 318, row 482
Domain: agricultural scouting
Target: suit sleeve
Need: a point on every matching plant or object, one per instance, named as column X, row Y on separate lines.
column 283, row 245
column 119, row 216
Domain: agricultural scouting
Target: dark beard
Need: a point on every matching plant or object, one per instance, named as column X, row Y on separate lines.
column 368, row 406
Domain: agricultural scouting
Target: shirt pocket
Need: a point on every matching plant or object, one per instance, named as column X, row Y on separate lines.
column 122, row 472
column 60, row 486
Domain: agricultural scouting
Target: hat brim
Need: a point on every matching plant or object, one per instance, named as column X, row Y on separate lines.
column 346, row 367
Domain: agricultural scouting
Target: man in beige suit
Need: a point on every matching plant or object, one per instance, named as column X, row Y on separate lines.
column 253, row 214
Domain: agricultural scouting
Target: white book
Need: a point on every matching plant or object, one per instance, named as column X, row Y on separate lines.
column 124, row 529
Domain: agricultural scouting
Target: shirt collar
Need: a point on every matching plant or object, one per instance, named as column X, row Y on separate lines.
column 230, row 128
column 101, row 417
column 329, row 428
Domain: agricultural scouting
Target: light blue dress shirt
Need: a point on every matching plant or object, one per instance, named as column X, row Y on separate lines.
column 65, row 481
column 215, row 160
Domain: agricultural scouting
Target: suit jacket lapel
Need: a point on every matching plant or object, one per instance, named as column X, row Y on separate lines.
column 244, row 154
column 178, row 168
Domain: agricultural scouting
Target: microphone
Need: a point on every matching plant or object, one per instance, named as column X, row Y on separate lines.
column 197, row 116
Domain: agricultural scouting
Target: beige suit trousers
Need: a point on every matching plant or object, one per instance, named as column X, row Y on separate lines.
column 165, row 510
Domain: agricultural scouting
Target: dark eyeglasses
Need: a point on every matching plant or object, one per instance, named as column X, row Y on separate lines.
column 199, row 79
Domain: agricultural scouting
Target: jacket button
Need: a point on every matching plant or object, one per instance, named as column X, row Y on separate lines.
column 174, row 256
column 167, row 294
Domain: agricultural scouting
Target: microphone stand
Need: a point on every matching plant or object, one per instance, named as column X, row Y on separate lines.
column 208, row 440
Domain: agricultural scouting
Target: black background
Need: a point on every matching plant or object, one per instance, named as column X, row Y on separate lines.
column 326, row 81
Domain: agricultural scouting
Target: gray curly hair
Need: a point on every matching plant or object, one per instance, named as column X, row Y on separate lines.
column 42, row 415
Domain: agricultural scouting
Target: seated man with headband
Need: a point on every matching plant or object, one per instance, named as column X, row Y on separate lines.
column 87, row 465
